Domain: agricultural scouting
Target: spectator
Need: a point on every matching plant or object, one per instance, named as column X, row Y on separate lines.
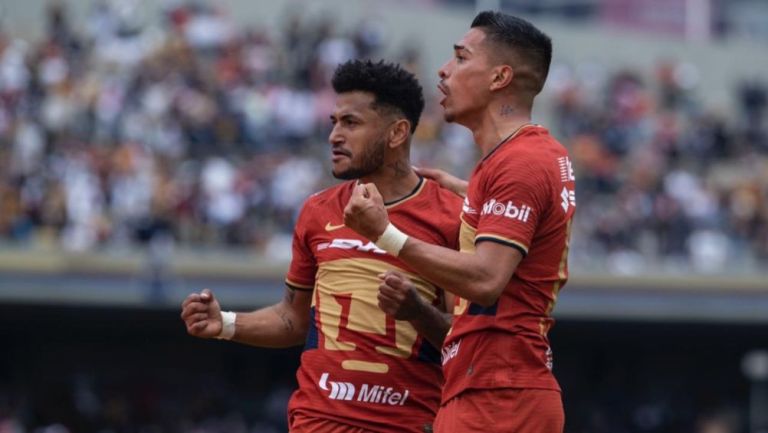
column 219, row 131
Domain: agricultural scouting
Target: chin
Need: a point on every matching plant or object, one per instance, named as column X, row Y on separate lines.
column 343, row 174
column 449, row 116
column 338, row 171
column 455, row 116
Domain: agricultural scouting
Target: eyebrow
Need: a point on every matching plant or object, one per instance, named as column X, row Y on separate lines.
column 344, row 116
column 458, row 47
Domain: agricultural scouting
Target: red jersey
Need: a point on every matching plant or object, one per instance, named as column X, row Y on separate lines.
column 520, row 195
column 360, row 366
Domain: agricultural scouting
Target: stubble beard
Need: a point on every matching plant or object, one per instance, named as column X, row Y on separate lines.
column 371, row 160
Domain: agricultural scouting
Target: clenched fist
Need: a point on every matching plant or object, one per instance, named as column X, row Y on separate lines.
column 398, row 296
column 202, row 314
column 365, row 212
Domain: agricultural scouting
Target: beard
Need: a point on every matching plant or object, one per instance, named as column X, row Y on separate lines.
column 369, row 161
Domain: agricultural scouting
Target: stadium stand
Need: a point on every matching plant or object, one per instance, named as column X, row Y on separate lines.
column 207, row 135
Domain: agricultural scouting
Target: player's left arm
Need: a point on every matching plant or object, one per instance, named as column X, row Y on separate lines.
column 399, row 298
column 479, row 277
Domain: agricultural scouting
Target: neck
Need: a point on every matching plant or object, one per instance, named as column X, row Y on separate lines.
column 394, row 180
column 498, row 121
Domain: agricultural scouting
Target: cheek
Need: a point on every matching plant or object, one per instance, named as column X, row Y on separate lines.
column 470, row 83
column 356, row 144
column 463, row 80
column 462, row 93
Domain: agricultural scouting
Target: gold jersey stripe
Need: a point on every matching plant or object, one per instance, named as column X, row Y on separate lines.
column 503, row 239
column 346, row 299
column 466, row 238
column 415, row 193
column 336, row 276
column 369, row 367
column 461, row 217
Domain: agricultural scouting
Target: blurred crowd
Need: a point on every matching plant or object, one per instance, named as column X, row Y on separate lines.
column 193, row 128
column 663, row 182
column 210, row 135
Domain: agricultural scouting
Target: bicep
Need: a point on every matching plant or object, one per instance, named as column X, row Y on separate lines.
column 499, row 260
column 515, row 200
column 297, row 303
column 303, row 267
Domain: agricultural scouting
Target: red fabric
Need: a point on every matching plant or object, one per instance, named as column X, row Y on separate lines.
column 520, row 195
column 503, row 411
column 360, row 367
column 300, row 423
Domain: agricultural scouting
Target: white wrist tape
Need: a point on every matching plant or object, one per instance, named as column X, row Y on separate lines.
column 227, row 325
column 392, row 240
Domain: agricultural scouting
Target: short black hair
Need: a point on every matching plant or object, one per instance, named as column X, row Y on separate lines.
column 392, row 86
column 531, row 44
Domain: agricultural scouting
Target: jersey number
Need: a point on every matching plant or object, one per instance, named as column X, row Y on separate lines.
column 351, row 320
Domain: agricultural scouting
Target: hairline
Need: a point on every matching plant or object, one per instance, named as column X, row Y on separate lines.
column 383, row 108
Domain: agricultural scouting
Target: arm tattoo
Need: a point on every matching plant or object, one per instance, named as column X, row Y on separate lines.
column 287, row 322
column 507, row 110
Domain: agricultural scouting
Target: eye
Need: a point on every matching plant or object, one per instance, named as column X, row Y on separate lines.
column 460, row 58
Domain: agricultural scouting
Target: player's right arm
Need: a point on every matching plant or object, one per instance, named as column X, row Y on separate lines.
column 281, row 325
column 284, row 324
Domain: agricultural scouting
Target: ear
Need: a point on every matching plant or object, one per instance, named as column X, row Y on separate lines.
column 501, row 77
column 399, row 132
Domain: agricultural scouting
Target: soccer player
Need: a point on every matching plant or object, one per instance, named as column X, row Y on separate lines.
column 370, row 362
column 515, row 228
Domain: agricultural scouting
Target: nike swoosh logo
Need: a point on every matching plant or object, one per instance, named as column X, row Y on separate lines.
column 330, row 227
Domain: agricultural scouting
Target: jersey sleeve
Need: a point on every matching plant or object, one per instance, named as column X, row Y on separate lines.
column 303, row 268
column 514, row 200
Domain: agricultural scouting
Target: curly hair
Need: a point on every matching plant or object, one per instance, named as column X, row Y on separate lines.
column 393, row 87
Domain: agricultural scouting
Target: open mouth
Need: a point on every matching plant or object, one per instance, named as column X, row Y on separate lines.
column 444, row 91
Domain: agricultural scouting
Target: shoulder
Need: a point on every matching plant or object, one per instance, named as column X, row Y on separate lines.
column 323, row 205
column 535, row 154
column 333, row 194
column 442, row 198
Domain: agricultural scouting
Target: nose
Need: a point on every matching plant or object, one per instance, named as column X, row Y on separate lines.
column 443, row 71
column 335, row 138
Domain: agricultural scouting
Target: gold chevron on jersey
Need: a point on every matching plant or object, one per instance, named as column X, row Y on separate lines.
column 359, row 365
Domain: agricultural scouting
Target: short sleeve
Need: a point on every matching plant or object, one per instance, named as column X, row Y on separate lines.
column 303, row 268
column 514, row 200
